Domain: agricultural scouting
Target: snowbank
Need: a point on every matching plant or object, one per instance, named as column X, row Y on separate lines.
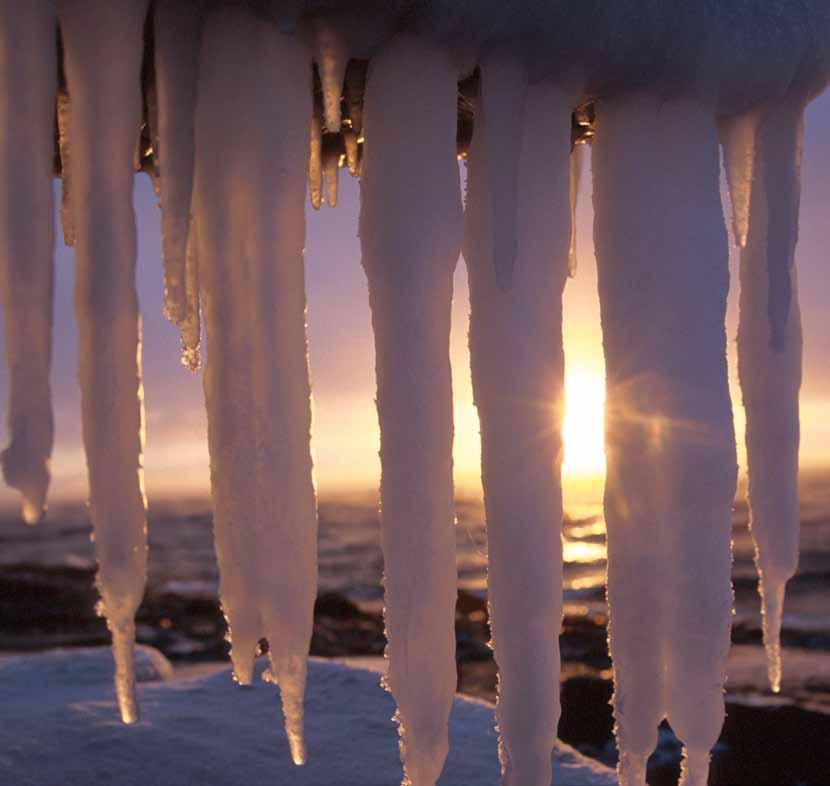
column 62, row 727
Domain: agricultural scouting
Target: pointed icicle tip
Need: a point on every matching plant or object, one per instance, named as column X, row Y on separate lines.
column 289, row 674
column 501, row 120
column 32, row 510
column 772, row 612
column 123, row 643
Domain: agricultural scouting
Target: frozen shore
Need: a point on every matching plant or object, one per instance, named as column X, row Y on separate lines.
column 199, row 727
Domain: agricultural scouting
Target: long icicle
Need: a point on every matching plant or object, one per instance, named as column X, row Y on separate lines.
column 622, row 167
column 663, row 277
column 250, row 237
column 769, row 362
column 103, row 69
column 177, row 25
column 410, row 234
column 695, row 437
column 517, row 362
column 27, row 108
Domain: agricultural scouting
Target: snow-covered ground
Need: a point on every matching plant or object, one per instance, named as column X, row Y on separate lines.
column 200, row 728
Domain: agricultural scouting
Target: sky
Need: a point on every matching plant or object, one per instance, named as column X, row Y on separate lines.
column 345, row 438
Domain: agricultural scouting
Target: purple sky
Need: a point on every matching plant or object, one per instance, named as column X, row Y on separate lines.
column 345, row 434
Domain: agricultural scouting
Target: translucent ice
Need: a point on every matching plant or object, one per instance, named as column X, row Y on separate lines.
column 769, row 360
column 250, row 231
column 177, row 25
column 410, row 234
column 27, row 115
column 518, row 378
column 103, row 70
column 663, row 276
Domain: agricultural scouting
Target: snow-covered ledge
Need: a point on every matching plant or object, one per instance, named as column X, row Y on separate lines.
column 65, row 729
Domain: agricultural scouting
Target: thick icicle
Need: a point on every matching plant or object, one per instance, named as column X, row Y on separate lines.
column 331, row 55
column 663, row 277
column 27, row 112
column 769, row 362
column 410, row 233
column 103, row 69
column 518, row 377
column 500, row 122
column 250, row 235
column 177, row 26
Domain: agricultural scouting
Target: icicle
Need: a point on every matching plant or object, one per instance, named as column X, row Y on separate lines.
column 331, row 55
column 250, row 232
column 518, row 377
column 27, row 107
column 577, row 164
column 670, row 442
column 191, row 328
column 315, row 162
column 737, row 135
column 103, row 68
column 331, row 165
column 350, row 143
column 695, row 431
column 177, row 27
column 769, row 362
column 64, row 111
column 410, row 233
column 500, row 123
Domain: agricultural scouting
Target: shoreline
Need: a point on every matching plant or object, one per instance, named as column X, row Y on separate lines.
column 43, row 608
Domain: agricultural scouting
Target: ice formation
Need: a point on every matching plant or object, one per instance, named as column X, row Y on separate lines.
column 29, row 82
column 769, row 363
column 669, row 437
column 250, row 236
column 251, row 105
column 176, row 43
column 103, row 68
column 517, row 363
column 410, row 236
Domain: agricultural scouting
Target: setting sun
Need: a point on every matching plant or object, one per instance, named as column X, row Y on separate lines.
column 583, row 426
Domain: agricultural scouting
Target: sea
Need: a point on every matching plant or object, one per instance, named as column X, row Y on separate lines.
column 182, row 561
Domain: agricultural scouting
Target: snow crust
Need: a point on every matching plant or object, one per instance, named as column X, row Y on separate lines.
column 63, row 731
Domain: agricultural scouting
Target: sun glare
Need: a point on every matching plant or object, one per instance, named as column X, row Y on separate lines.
column 583, row 426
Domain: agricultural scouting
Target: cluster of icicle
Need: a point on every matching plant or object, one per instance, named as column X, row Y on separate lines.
column 238, row 146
